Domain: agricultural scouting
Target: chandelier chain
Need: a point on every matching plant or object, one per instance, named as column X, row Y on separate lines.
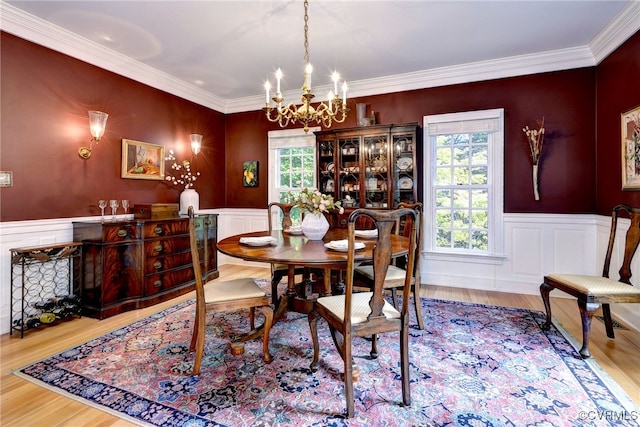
column 306, row 32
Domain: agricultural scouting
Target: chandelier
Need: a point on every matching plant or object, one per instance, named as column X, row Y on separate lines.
column 323, row 114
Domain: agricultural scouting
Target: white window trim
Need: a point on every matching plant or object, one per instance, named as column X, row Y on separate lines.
column 448, row 122
column 286, row 138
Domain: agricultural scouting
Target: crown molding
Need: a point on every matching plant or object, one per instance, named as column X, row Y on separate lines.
column 44, row 33
column 557, row 60
column 618, row 30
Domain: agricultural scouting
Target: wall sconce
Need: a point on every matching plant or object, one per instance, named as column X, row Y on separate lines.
column 196, row 143
column 97, row 125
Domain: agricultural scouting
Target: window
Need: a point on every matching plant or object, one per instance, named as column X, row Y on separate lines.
column 292, row 164
column 464, row 183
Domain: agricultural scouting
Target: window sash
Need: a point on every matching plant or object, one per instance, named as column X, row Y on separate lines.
column 491, row 122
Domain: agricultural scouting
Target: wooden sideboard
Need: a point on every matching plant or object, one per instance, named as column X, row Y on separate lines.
column 132, row 264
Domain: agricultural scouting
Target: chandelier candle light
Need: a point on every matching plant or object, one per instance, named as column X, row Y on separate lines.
column 324, row 114
column 535, row 137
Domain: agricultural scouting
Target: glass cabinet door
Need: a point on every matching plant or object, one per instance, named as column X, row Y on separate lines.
column 376, row 176
column 326, row 178
column 403, row 162
column 349, row 171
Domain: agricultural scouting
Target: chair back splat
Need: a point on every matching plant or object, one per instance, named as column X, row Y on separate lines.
column 395, row 274
column 368, row 313
column 280, row 271
column 593, row 291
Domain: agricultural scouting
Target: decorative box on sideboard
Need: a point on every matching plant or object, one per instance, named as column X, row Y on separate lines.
column 156, row 211
column 134, row 264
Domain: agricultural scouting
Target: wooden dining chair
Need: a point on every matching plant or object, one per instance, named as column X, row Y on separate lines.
column 368, row 313
column 279, row 271
column 592, row 291
column 394, row 279
column 221, row 296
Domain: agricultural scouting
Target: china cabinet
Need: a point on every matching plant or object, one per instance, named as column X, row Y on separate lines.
column 133, row 264
column 370, row 166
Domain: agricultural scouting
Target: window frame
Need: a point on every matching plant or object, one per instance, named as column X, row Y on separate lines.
column 467, row 122
column 288, row 138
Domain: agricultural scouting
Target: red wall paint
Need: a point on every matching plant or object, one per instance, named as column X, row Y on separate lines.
column 45, row 99
column 566, row 99
column 46, row 95
column 618, row 90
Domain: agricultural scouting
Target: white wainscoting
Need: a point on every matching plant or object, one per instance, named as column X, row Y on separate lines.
column 535, row 245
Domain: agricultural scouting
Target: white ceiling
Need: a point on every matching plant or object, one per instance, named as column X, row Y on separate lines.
column 219, row 53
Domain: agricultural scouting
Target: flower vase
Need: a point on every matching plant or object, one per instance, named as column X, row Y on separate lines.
column 189, row 197
column 314, row 227
column 536, row 192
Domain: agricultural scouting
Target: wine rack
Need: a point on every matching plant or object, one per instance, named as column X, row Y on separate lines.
column 44, row 285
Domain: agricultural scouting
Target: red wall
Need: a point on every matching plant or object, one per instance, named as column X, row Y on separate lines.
column 566, row 99
column 45, row 99
column 46, row 95
column 618, row 90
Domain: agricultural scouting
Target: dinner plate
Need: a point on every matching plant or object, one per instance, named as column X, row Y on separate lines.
column 293, row 230
column 404, row 163
column 330, row 167
column 405, row 183
column 258, row 241
column 342, row 245
column 367, row 234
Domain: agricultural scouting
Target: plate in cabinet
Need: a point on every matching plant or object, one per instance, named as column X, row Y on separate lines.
column 404, row 163
column 405, row 183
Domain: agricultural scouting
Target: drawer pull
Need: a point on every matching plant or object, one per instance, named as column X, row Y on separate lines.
column 157, row 265
column 157, row 230
column 158, row 248
column 122, row 232
column 157, row 283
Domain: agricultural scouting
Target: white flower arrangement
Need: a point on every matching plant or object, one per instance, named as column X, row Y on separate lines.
column 183, row 174
column 535, row 137
column 313, row 201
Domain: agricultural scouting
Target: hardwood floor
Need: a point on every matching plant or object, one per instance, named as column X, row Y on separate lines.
column 25, row 404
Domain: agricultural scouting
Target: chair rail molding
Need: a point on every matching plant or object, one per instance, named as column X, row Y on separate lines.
column 535, row 245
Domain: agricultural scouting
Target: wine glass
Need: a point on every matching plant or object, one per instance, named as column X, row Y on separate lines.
column 102, row 204
column 125, row 206
column 114, row 207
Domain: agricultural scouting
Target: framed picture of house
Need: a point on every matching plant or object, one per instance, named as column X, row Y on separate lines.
column 250, row 173
column 142, row 160
column 630, row 121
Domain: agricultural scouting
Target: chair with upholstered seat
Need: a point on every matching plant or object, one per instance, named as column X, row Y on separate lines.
column 220, row 296
column 592, row 291
column 394, row 279
column 368, row 313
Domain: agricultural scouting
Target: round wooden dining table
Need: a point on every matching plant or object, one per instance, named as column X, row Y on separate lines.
column 297, row 250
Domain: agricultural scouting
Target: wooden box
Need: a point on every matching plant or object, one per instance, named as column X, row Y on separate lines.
column 156, row 211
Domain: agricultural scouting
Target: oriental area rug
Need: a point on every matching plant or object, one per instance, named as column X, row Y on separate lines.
column 472, row 365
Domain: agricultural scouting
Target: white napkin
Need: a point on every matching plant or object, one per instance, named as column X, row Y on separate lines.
column 264, row 240
column 367, row 233
column 343, row 245
column 294, row 230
